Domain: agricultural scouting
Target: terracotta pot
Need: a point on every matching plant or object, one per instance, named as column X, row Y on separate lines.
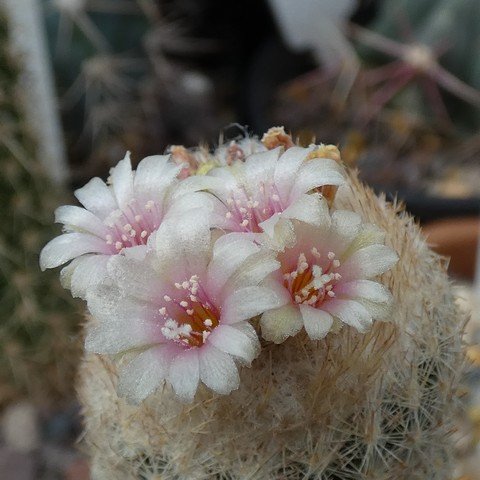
column 456, row 238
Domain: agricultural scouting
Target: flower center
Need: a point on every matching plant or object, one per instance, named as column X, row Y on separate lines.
column 310, row 283
column 247, row 211
column 189, row 316
column 133, row 225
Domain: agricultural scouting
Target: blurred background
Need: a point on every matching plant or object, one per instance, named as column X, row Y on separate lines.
column 394, row 83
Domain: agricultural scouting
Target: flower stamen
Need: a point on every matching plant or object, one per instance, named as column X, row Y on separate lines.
column 310, row 283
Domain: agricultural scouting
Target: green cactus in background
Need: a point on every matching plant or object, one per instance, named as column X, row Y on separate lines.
column 448, row 32
column 38, row 324
column 115, row 83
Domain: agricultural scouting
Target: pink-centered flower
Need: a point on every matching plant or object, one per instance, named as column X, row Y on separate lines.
column 326, row 278
column 263, row 194
column 180, row 314
column 117, row 216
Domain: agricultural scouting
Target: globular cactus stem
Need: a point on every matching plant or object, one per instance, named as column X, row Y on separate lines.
column 352, row 406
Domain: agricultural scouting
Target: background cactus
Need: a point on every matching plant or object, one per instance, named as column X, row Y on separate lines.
column 450, row 32
column 352, row 406
column 39, row 321
column 117, row 85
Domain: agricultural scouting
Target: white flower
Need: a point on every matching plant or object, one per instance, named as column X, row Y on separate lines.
column 181, row 313
column 116, row 218
column 262, row 194
column 326, row 276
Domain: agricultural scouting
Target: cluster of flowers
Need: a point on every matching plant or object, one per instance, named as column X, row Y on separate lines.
column 182, row 272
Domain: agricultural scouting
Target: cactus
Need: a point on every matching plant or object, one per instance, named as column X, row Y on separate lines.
column 352, row 406
column 440, row 31
column 116, row 84
column 37, row 352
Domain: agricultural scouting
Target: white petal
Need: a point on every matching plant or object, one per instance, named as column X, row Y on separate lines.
column 108, row 304
column 349, row 312
column 279, row 232
column 81, row 220
column 122, row 323
column 141, row 377
column 229, row 252
column 378, row 311
column 317, row 322
column 184, row 374
column 89, row 271
column 67, row 271
column 346, row 223
column 138, row 252
column 206, row 204
column 373, row 291
column 368, row 262
column 70, row 245
column 154, row 175
column 311, row 209
column 121, row 178
column 375, row 297
column 316, row 173
column 230, row 340
column 185, row 240
column 119, row 337
column 197, row 183
column 286, row 169
column 279, row 324
column 259, row 167
column 135, row 278
column 217, row 370
column 369, row 235
column 268, row 225
column 253, row 270
column 96, row 197
column 249, row 302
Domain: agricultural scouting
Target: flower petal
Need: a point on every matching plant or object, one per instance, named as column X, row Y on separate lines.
column 368, row 262
column 252, row 271
column 70, row 245
column 140, row 377
column 135, row 278
column 286, row 169
column 97, row 197
column 260, row 166
column 197, row 183
column 311, row 209
column 316, row 173
column 121, row 178
column 279, row 232
column 367, row 289
column 90, row 270
column 81, row 220
column 249, row 302
column 349, row 312
column 123, row 323
column 279, row 324
column 184, row 374
column 346, row 224
column 230, row 340
column 154, row 175
column 218, row 370
column 185, row 241
column 229, row 252
column 317, row 322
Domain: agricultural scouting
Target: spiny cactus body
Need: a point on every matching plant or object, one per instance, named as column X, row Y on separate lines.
column 353, row 406
column 38, row 320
